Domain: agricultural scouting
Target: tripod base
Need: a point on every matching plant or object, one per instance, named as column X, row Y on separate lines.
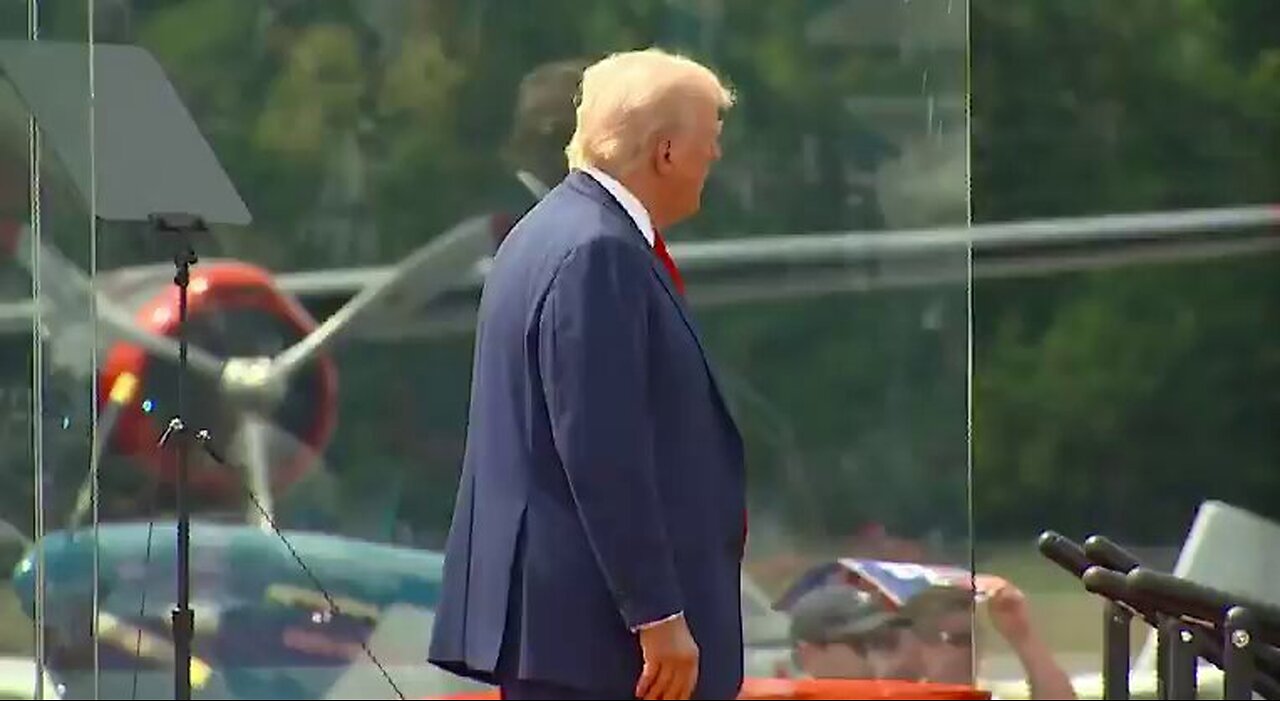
column 184, row 623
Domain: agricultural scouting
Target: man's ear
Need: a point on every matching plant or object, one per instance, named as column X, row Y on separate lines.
column 663, row 155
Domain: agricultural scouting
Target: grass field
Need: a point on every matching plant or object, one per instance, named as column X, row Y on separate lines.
column 17, row 635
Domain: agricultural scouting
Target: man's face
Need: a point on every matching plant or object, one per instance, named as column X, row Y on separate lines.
column 894, row 652
column 890, row 652
column 686, row 158
column 832, row 661
column 947, row 647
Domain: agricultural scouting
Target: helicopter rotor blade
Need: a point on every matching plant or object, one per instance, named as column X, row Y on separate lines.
column 10, row 532
column 256, row 459
column 198, row 359
column 68, row 290
column 427, row 272
column 121, row 393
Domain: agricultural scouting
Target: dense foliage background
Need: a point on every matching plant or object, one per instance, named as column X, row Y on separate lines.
column 356, row 129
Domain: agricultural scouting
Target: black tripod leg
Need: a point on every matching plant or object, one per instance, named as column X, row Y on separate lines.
column 1182, row 661
column 1115, row 649
column 1237, row 654
column 1163, row 645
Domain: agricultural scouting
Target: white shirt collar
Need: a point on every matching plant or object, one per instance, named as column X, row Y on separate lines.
column 629, row 202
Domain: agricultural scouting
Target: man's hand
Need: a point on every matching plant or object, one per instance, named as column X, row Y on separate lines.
column 1011, row 617
column 1007, row 607
column 670, row 661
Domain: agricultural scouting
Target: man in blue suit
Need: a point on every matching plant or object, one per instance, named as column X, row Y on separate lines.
column 598, row 534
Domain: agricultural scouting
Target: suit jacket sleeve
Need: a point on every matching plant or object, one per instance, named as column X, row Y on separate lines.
column 594, row 359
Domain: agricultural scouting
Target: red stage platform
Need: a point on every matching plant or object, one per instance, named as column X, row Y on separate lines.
column 879, row 689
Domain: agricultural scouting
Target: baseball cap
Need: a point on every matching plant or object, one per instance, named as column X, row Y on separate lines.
column 837, row 612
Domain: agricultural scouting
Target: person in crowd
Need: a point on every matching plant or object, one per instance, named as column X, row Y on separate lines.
column 942, row 621
column 542, row 124
column 841, row 632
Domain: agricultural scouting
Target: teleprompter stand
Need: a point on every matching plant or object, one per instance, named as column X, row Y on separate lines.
column 182, row 227
column 134, row 154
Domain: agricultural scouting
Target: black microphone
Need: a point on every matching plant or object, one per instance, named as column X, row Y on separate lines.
column 1112, row 585
column 1180, row 597
column 1102, row 551
column 1063, row 552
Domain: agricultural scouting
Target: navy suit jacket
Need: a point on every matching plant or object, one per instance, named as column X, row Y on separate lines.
column 602, row 486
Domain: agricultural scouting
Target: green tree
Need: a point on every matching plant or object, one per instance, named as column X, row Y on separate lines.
column 1104, row 399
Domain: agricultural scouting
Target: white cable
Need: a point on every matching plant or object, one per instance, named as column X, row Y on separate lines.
column 37, row 368
column 94, row 349
column 969, row 320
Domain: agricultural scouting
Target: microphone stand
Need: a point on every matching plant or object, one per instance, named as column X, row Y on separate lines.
column 183, row 225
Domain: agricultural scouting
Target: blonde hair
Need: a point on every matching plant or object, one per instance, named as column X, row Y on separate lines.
column 628, row 98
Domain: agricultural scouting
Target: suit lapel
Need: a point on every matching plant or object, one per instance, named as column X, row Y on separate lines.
column 588, row 186
column 668, row 285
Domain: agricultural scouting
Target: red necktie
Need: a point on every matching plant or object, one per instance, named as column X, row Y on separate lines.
column 660, row 247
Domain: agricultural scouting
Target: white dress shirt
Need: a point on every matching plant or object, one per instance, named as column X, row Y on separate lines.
column 629, row 202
